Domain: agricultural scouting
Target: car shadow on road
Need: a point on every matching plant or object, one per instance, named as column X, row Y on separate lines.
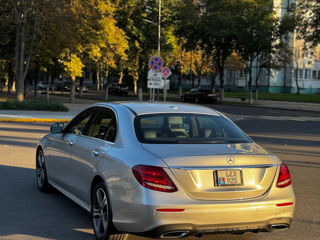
column 29, row 214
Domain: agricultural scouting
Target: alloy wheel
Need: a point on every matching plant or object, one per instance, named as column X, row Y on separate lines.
column 100, row 213
column 40, row 170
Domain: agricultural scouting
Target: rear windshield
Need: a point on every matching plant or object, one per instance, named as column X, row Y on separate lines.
column 187, row 128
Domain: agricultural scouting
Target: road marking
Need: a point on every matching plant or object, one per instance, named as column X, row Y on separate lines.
column 33, row 120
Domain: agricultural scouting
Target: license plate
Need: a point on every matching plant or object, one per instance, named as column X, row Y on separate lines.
column 231, row 177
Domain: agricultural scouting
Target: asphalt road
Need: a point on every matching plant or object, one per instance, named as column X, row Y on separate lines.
column 25, row 213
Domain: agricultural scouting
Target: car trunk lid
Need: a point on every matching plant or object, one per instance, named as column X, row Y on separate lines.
column 199, row 169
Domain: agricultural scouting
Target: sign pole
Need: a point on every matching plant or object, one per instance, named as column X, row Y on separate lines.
column 165, row 72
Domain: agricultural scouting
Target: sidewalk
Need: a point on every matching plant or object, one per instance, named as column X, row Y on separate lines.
column 80, row 104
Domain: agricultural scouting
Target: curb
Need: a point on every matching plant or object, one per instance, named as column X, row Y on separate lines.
column 44, row 120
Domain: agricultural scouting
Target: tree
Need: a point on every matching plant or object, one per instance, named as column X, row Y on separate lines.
column 220, row 22
column 139, row 20
column 7, row 26
column 308, row 19
column 212, row 25
column 255, row 34
column 297, row 57
column 73, row 67
column 26, row 14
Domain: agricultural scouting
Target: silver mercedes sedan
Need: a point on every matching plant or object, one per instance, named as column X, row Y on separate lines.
column 165, row 170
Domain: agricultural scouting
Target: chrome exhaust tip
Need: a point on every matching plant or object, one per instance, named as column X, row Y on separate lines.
column 279, row 227
column 175, row 234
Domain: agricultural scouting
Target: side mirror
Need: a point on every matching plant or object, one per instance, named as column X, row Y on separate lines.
column 57, row 127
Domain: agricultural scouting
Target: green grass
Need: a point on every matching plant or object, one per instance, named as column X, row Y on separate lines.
column 312, row 98
column 39, row 105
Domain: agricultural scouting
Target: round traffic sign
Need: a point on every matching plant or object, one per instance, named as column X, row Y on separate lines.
column 166, row 72
column 155, row 63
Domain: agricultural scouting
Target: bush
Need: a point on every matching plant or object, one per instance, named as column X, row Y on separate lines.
column 39, row 105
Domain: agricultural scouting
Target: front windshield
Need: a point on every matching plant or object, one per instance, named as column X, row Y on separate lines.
column 187, row 129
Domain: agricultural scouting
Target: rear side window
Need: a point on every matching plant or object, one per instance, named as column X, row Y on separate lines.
column 187, row 128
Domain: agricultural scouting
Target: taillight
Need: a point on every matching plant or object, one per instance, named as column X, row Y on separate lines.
column 284, row 178
column 154, row 178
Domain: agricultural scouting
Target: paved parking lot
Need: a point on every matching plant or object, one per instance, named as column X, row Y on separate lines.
column 25, row 213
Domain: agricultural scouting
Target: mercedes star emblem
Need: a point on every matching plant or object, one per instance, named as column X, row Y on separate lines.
column 230, row 160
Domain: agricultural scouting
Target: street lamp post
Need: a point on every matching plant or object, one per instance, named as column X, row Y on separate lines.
column 159, row 37
column 159, row 50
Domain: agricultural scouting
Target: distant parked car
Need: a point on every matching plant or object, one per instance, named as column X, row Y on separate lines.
column 199, row 95
column 117, row 89
column 41, row 86
column 67, row 87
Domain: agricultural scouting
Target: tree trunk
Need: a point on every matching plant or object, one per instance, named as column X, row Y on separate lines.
column 199, row 82
column 20, row 46
column 98, row 80
column 17, row 56
column 21, row 21
column 297, row 83
column 72, row 90
column 140, row 81
column 221, row 75
column 220, row 64
column 180, row 84
column 135, row 84
column 106, row 91
column 25, row 88
column 213, row 82
column 81, row 87
column 35, row 85
column 191, row 77
column 10, row 76
column 257, row 83
column 250, row 81
column 48, row 87
column 62, row 84
column 140, row 94
column 52, row 84
column 121, row 77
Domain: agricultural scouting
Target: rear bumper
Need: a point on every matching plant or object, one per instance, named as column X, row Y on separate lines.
column 135, row 211
column 208, row 219
column 184, row 230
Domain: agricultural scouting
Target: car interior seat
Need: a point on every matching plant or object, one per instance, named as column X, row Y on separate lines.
column 176, row 126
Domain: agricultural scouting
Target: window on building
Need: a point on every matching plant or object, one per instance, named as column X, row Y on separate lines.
column 308, row 73
column 242, row 73
column 315, row 74
column 300, row 73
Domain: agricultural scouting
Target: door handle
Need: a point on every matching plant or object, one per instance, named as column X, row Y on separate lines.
column 71, row 142
column 95, row 153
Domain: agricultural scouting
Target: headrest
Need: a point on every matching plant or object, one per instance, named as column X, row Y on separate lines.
column 175, row 120
column 150, row 134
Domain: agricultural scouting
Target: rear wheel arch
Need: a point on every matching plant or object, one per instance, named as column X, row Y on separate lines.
column 97, row 179
column 38, row 149
column 112, row 231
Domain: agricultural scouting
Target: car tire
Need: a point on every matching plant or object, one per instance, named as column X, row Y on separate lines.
column 196, row 100
column 102, row 215
column 41, row 172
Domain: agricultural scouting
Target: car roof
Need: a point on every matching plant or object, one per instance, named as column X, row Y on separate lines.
column 140, row 108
